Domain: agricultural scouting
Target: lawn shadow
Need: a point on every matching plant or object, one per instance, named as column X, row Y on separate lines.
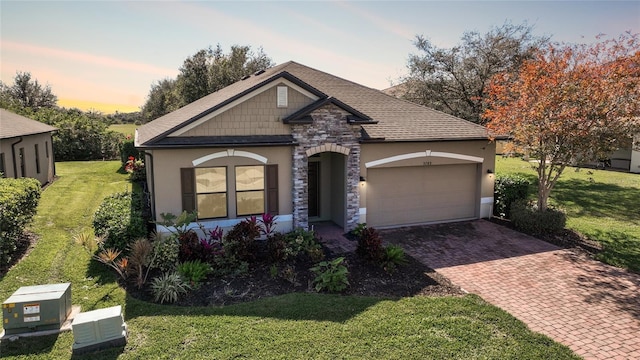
column 100, row 272
column 606, row 284
column 293, row 306
column 33, row 345
column 618, row 249
column 599, row 199
column 462, row 243
column 105, row 354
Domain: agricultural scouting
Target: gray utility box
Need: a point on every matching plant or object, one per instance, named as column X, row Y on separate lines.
column 34, row 308
column 99, row 329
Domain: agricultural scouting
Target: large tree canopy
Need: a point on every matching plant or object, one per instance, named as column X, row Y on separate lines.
column 454, row 79
column 27, row 93
column 568, row 104
column 207, row 71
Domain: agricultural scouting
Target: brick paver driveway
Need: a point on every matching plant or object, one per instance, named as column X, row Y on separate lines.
column 589, row 306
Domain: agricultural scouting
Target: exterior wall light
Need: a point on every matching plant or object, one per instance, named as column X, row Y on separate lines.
column 362, row 178
column 489, row 171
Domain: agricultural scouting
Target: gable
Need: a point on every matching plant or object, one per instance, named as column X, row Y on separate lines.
column 257, row 115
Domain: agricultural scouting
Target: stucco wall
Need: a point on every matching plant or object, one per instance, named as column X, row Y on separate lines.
column 480, row 148
column 256, row 116
column 45, row 151
column 167, row 164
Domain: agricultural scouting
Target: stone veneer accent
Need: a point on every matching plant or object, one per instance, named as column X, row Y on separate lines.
column 328, row 132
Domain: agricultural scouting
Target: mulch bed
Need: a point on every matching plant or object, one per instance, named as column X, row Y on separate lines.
column 365, row 278
column 23, row 247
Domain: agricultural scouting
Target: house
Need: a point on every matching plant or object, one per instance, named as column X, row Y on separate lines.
column 627, row 158
column 309, row 146
column 26, row 149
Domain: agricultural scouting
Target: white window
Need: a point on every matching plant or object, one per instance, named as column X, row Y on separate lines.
column 211, row 192
column 249, row 190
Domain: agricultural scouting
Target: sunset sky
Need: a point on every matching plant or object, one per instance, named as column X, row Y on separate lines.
column 105, row 55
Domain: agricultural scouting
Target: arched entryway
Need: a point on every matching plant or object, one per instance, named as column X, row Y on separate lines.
column 327, row 188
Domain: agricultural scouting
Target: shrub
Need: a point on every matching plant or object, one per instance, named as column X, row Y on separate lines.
column 240, row 241
column 190, row 247
column 289, row 273
column 139, row 259
column 277, row 247
column 267, row 223
column 393, row 257
column 18, row 204
column 110, row 257
column 119, row 220
column 211, row 244
column 316, row 254
column 507, row 189
column 168, row 287
column 86, row 241
column 135, row 168
column 165, row 253
column 370, row 245
column 529, row 220
column 357, row 231
column 194, row 272
column 301, row 240
column 128, row 150
column 331, row 275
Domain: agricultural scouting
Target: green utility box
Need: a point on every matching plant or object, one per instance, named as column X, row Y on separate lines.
column 34, row 308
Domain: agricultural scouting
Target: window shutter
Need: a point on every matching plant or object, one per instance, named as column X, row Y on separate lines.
column 187, row 184
column 272, row 189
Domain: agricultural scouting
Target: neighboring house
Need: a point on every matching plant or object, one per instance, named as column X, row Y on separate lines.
column 310, row 146
column 26, row 149
column 627, row 158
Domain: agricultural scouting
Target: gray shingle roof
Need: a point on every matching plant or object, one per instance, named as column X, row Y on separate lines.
column 14, row 125
column 397, row 119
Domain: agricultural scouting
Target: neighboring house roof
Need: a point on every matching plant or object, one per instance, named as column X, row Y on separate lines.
column 14, row 125
column 382, row 117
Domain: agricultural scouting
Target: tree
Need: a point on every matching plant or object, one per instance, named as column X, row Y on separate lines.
column 28, row 93
column 162, row 99
column 193, row 80
column 207, row 71
column 240, row 62
column 569, row 104
column 454, row 80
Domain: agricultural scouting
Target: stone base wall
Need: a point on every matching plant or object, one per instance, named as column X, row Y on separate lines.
column 328, row 132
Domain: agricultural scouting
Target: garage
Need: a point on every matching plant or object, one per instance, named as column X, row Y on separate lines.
column 420, row 194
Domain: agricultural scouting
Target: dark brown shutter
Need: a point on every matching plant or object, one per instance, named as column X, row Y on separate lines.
column 272, row 189
column 188, row 189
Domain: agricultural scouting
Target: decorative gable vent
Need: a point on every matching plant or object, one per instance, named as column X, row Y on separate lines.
column 283, row 100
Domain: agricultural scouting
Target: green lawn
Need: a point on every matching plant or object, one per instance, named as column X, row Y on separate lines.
column 127, row 129
column 295, row 326
column 603, row 205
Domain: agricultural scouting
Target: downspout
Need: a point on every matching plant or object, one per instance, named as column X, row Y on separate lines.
column 53, row 155
column 13, row 157
column 152, row 185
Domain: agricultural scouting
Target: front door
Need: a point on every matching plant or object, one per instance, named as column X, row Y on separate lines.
column 314, row 188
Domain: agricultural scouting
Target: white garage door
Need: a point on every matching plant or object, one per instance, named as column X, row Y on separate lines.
column 411, row 195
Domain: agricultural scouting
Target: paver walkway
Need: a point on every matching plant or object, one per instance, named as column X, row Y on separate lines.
column 589, row 306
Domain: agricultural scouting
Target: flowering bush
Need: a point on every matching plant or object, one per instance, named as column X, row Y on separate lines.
column 135, row 168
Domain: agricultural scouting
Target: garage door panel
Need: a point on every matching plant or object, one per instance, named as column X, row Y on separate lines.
column 409, row 195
